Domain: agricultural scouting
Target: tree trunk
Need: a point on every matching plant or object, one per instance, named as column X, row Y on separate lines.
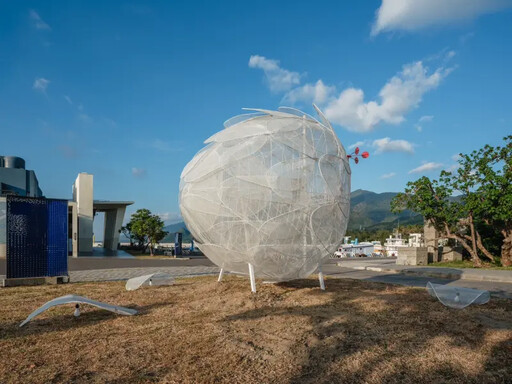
column 482, row 248
column 476, row 259
column 462, row 241
column 506, row 248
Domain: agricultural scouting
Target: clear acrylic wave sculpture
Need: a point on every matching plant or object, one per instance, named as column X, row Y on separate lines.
column 271, row 190
column 457, row 297
column 159, row 278
column 74, row 299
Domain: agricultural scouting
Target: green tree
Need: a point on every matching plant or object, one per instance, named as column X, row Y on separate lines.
column 483, row 205
column 147, row 228
column 432, row 199
column 127, row 232
column 381, row 235
column 492, row 195
column 406, row 230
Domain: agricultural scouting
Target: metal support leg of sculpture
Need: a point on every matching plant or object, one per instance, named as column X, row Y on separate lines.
column 253, row 279
column 321, row 279
column 221, row 273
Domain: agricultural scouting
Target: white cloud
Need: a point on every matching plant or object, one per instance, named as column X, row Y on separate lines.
column 84, row 117
column 357, row 144
column 464, row 38
column 426, row 118
column 279, row 79
column 170, row 217
column 388, row 175
column 411, row 15
column 402, row 93
column 318, row 93
column 110, row 122
column 387, row 145
column 427, row 167
column 456, row 157
column 450, row 55
column 38, row 22
column 161, row 145
column 41, row 84
column 452, row 167
column 139, row 172
column 68, row 99
column 68, row 151
column 423, row 119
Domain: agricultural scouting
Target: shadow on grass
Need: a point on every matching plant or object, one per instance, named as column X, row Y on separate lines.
column 384, row 339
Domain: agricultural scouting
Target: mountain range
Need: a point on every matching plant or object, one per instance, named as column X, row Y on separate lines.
column 368, row 210
column 371, row 211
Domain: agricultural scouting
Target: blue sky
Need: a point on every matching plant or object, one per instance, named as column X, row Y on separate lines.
column 129, row 91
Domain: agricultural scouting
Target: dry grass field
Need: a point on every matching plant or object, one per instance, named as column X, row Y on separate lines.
column 200, row 331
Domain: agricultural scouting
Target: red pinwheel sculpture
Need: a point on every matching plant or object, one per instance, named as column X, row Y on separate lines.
column 355, row 155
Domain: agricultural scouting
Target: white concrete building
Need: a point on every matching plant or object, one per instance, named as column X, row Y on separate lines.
column 415, row 240
column 83, row 208
column 83, row 197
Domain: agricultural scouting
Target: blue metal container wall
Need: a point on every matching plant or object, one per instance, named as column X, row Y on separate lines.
column 36, row 232
column 57, row 234
column 26, row 237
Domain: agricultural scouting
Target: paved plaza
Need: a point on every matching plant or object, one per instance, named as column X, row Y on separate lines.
column 387, row 265
column 497, row 289
column 128, row 273
column 377, row 270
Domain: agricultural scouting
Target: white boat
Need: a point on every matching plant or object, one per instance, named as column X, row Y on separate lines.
column 393, row 244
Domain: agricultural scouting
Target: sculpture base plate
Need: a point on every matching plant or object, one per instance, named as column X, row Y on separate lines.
column 28, row 281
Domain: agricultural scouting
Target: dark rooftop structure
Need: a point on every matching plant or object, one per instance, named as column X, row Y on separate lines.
column 16, row 180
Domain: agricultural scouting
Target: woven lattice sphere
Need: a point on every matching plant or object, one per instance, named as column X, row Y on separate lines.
column 271, row 189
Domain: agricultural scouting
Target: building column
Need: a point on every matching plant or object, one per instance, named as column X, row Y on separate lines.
column 74, row 229
column 83, row 195
column 113, row 222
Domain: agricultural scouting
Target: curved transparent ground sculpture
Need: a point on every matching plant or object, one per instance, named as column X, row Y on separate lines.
column 457, row 297
column 74, row 299
column 159, row 278
column 271, row 190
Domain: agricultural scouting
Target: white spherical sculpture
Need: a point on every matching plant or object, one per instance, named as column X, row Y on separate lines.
column 271, row 190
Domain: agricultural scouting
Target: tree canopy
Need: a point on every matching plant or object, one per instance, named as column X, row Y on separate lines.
column 476, row 198
column 146, row 228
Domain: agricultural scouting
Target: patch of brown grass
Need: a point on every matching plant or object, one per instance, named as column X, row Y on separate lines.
column 200, row 331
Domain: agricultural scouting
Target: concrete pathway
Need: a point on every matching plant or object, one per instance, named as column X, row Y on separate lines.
column 497, row 289
column 383, row 271
column 128, row 273
column 84, row 263
column 389, row 266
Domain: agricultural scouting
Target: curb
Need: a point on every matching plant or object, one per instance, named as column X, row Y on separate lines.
column 439, row 275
